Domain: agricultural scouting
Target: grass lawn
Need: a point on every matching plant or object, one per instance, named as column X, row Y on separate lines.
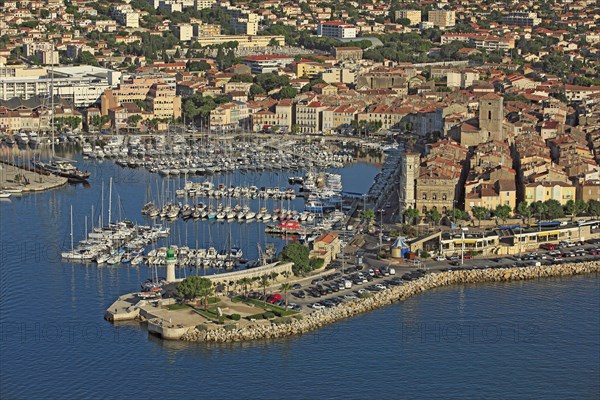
column 270, row 307
column 178, row 306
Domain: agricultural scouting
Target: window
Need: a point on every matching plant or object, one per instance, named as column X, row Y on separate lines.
column 444, row 197
column 434, row 197
column 424, row 197
column 424, row 210
column 489, row 114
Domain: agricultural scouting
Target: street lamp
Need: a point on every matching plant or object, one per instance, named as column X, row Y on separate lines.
column 381, row 227
column 462, row 246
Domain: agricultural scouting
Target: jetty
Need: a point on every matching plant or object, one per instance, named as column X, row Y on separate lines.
column 189, row 325
column 16, row 179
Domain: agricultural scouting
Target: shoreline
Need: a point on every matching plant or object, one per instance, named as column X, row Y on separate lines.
column 36, row 182
column 318, row 319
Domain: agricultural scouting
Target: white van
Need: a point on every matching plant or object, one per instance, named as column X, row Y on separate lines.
column 348, row 284
column 392, row 271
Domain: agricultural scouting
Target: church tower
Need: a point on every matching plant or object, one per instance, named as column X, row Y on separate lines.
column 491, row 116
column 410, row 172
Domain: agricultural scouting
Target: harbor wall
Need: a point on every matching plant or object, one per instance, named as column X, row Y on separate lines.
column 281, row 268
column 318, row 319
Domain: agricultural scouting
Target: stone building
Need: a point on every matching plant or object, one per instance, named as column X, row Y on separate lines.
column 347, row 53
column 326, row 247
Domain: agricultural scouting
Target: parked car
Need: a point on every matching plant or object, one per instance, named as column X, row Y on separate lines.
column 274, row 298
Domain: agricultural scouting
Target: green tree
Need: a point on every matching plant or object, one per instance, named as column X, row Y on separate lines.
column 574, row 208
column 457, row 215
column 245, row 282
column 367, row 214
column 554, row 209
column 404, row 21
column 594, row 207
column 198, row 66
column 256, row 89
column 264, row 283
column 412, row 215
column 242, row 78
column 525, row 210
column 220, row 57
column 190, row 110
column 87, row 58
column 502, row 212
column 270, row 81
column 434, row 215
column 298, row 254
column 134, row 119
column 196, row 286
column 480, row 213
column 539, row 209
column 287, row 92
column 285, row 287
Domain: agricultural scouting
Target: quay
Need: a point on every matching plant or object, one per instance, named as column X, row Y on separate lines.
column 188, row 325
column 13, row 177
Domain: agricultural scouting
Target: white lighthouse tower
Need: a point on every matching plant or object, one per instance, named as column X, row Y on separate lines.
column 171, row 260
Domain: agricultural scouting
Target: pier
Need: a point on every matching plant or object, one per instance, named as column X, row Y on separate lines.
column 17, row 179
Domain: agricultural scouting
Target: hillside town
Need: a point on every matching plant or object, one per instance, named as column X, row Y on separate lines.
column 497, row 103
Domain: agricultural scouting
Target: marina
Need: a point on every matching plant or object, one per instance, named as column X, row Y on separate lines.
column 177, row 155
column 196, row 217
column 81, row 292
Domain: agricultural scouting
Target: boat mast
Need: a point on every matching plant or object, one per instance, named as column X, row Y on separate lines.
column 52, row 99
column 109, row 199
column 72, row 250
column 102, row 211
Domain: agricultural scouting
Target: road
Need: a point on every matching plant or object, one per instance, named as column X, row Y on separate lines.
column 430, row 266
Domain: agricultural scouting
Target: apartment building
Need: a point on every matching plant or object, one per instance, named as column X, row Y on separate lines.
column 521, row 19
column 267, row 63
column 309, row 116
column 336, row 29
column 548, row 190
column 82, row 85
column 413, row 15
column 442, row 18
column 125, row 16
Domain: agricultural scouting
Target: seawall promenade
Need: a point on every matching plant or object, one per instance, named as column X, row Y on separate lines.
column 15, row 177
column 317, row 319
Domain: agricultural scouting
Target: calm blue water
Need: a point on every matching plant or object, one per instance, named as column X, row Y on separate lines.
column 519, row 340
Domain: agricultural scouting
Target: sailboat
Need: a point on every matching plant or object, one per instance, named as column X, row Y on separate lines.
column 58, row 166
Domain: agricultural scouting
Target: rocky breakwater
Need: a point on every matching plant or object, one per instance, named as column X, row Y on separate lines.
column 317, row 319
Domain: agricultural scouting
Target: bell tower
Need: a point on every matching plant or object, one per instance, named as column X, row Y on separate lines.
column 491, row 116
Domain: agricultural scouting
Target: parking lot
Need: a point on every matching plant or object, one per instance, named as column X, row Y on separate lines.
column 349, row 280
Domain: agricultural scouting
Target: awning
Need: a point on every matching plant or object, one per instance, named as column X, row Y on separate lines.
column 548, row 233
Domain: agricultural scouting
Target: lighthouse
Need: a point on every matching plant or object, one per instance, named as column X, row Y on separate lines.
column 171, row 260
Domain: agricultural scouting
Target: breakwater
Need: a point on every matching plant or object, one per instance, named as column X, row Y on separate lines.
column 377, row 300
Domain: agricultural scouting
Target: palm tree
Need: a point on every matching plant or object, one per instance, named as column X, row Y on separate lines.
column 264, row 282
column 244, row 282
column 412, row 215
column 284, row 288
